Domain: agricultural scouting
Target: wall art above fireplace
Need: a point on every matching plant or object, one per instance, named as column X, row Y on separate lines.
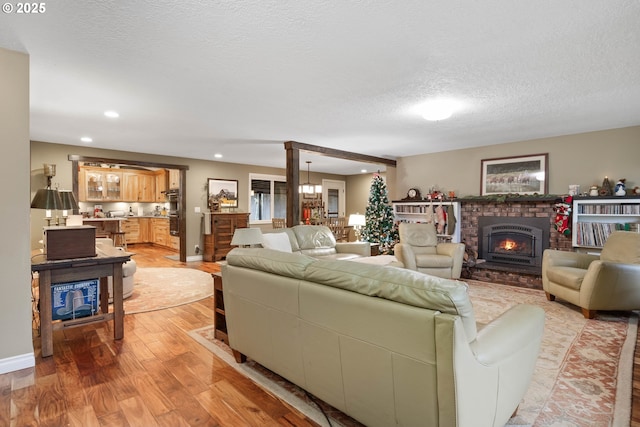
column 521, row 175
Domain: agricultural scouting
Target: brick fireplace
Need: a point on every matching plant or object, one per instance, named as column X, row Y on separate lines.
column 510, row 211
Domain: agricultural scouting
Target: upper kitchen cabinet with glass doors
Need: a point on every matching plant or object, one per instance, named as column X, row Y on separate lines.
column 99, row 185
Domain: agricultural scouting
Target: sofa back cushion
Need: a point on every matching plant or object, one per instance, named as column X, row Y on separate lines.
column 276, row 241
column 401, row 285
column 314, row 236
column 623, row 247
column 271, row 261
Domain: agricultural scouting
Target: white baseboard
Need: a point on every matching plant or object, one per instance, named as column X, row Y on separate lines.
column 15, row 363
column 194, row 258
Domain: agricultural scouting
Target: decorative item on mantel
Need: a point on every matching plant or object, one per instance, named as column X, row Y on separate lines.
column 606, row 189
column 594, row 191
column 620, row 189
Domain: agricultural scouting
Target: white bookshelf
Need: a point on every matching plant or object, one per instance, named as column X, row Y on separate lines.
column 594, row 219
column 424, row 211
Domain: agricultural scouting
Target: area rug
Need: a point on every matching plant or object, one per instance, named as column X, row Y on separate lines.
column 582, row 377
column 159, row 288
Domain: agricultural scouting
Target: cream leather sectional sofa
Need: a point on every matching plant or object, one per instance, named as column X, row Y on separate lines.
column 387, row 346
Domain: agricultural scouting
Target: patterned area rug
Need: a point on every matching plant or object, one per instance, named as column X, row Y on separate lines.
column 158, row 288
column 582, row 377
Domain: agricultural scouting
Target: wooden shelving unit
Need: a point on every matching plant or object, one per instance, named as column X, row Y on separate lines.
column 595, row 218
column 425, row 211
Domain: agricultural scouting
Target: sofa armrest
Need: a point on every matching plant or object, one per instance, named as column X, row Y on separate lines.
column 508, row 334
column 455, row 251
column 359, row 248
column 556, row 258
column 610, row 286
column 404, row 253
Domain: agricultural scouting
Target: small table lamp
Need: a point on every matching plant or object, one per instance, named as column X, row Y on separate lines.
column 357, row 221
column 68, row 204
column 245, row 237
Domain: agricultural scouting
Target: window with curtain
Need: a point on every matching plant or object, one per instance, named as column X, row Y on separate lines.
column 268, row 197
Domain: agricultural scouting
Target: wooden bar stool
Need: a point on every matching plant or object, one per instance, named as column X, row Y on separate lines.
column 119, row 239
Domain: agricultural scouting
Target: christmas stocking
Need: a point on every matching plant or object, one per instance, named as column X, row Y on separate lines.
column 563, row 216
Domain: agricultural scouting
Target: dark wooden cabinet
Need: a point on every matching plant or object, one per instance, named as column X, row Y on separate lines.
column 218, row 243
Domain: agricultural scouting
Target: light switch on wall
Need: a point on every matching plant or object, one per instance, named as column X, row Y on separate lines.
column 196, row 209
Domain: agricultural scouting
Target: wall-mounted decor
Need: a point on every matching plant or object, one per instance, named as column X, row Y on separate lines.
column 521, row 175
column 223, row 192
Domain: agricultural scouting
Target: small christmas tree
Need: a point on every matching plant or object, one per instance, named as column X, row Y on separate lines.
column 380, row 226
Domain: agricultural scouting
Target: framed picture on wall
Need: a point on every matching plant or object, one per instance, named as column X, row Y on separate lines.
column 223, row 192
column 521, row 175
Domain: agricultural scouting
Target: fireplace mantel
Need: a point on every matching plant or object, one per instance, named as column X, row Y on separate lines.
column 512, row 198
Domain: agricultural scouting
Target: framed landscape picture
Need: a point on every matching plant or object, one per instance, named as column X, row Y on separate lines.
column 521, row 175
column 223, row 192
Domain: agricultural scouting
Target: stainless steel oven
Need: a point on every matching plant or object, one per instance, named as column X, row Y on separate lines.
column 174, row 225
column 173, row 196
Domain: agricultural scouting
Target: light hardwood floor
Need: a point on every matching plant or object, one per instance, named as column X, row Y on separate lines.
column 156, row 376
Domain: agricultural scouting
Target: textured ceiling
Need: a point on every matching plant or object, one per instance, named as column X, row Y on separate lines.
column 193, row 78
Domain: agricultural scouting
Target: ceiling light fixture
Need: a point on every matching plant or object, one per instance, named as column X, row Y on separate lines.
column 112, row 114
column 86, row 139
column 438, row 109
column 308, row 187
column 217, row 156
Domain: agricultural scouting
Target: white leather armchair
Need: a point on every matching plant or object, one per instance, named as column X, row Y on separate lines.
column 128, row 268
column 419, row 250
column 610, row 281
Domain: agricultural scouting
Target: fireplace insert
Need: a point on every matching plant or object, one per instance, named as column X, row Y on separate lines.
column 517, row 241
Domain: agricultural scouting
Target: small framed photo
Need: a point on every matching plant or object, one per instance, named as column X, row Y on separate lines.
column 223, row 192
column 521, row 175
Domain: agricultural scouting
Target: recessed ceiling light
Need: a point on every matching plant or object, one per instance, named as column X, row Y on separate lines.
column 112, row 114
column 217, row 156
column 86, row 139
column 363, row 170
column 438, row 109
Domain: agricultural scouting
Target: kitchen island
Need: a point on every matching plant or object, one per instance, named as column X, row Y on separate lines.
column 105, row 227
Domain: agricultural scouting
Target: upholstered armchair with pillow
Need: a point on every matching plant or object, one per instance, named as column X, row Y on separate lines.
column 610, row 281
column 419, row 250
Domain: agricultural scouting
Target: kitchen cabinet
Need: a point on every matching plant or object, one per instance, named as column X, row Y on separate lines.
column 218, row 242
column 131, row 228
column 138, row 187
column 160, row 231
column 99, row 185
column 161, row 185
column 174, row 179
column 149, row 230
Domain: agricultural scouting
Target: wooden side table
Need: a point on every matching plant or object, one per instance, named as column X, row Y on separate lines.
column 219, row 319
column 69, row 270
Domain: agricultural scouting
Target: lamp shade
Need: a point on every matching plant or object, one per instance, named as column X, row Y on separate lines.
column 246, row 237
column 357, row 220
column 68, row 200
column 47, row 198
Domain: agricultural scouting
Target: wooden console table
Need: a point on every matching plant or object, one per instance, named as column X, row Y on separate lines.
column 69, row 270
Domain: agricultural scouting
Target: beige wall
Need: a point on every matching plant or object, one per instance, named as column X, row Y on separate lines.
column 16, row 350
column 583, row 159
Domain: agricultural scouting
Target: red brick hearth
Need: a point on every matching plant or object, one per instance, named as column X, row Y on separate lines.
column 473, row 208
